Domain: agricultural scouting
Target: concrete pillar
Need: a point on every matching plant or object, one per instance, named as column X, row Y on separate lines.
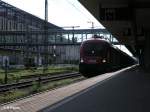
column 146, row 52
column 86, row 36
column 82, row 37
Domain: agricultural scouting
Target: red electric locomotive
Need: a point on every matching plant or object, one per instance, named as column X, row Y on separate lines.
column 98, row 56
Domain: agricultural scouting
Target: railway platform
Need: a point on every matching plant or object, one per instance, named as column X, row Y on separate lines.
column 128, row 91
column 125, row 90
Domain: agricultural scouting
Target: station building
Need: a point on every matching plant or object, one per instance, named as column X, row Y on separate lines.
column 14, row 19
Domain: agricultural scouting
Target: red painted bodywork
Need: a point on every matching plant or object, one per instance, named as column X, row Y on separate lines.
column 91, row 59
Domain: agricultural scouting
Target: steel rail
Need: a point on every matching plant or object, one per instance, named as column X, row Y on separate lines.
column 27, row 83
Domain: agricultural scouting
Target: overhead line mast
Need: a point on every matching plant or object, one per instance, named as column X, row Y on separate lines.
column 46, row 10
column 46, row 37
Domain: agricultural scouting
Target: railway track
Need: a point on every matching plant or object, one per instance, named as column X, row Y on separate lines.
column 36, row 76
column 41, row 79
column 45, row 74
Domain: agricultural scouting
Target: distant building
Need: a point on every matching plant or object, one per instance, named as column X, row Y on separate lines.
column 14, row 19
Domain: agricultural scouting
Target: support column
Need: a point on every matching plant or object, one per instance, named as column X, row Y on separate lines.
column 82, row 37
column 146, row 52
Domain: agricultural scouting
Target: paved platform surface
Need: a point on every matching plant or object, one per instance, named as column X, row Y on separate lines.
column 129, row 91
column 40, row 101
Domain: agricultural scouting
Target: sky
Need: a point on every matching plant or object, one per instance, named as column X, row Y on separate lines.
column 63, row 13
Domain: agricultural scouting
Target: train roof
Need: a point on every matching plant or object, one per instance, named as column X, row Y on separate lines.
column 96, row 39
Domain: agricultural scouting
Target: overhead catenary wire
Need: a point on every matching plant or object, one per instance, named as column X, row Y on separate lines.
column 78, row 9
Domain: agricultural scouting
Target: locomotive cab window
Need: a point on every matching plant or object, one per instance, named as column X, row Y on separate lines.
column 95, row 49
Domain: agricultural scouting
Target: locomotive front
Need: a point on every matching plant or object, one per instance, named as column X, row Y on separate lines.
column 94, row 56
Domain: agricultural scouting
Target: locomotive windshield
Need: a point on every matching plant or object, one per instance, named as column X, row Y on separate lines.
column 95, row 49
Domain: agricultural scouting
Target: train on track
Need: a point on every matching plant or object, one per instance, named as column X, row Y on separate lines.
column 98, row 56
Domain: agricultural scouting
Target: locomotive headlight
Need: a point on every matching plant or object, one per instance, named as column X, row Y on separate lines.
column 81, row 60
column 104, row 60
